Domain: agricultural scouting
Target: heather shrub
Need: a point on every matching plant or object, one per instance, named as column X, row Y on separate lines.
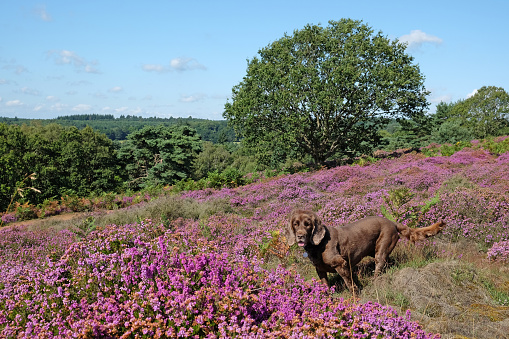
column 148, row 280
column 499, row 251
column 8, row 217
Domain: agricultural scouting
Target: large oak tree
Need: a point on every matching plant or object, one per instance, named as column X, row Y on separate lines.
column 325, row 92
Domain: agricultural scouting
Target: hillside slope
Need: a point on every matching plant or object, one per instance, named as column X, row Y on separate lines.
column 224, row 249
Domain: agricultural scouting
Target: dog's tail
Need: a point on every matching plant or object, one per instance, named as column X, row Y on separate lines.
column 416, row 234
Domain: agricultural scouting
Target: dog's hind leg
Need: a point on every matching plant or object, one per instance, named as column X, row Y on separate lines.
column 348, row 278
column 384, row 248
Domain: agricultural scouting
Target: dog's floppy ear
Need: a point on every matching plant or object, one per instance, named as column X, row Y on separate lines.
column 318, row 230
column 289, row 233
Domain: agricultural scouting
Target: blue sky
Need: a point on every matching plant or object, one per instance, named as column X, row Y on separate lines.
column 182, row 58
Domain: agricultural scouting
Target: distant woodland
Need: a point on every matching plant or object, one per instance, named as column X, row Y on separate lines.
column 216, row 131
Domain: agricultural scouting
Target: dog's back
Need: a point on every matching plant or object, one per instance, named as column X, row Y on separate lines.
column 366, row 236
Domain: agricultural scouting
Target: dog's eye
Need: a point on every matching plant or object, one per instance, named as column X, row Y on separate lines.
column 306, row 223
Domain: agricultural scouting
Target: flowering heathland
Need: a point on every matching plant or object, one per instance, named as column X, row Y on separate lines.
column 468, row 190
column 179, row 280
column 210, row 277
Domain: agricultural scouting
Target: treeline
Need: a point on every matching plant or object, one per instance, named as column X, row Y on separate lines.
column 216, row 131
column 43, row 161
column 483, row 115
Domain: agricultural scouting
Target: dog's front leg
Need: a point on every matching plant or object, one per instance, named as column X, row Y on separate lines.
column 341, row 266
column 322, row 275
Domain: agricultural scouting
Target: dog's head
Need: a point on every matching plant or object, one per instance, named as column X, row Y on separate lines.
column 304, row 228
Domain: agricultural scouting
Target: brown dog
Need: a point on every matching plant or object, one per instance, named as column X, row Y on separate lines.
column 332, row 249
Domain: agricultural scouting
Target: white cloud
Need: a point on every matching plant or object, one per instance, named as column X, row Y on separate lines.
column 121, row 109
column 18, row 69
column 38, row 108
column 417, row 38
column 116, row 89
column 155, row 68
column 137, row 110
column 0, row 99
column 92, row 69
column 52, row 98
column 29, row 91
column 42, row 14
column 118, row 110
column 65, row 57
column 186, row 64
column 192, row 98
column 58, row 107
column 82, row 108
column 471, row 94
column 13, row 103
column 176, row 64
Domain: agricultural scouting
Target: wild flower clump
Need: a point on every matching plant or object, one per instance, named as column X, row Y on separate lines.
column 150, row 280
column 499, row 251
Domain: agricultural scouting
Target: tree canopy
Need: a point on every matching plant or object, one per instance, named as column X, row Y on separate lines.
column 324, row 92
column 160, row 155
column 65, row 160
column 485, row 114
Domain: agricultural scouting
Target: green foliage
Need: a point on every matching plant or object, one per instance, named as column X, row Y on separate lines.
column 397, row 207
column 364, row 161
column 159, row 155
column 231, row 177
column 395, row 200
column 434, row 150
column 323, row 92
column 485, row 113
column 84, row 228
column 497, row 147
column 14, row 162
column 63, row 160
column 443, row 112
column 500, row 296
column 272, row 244
column 452, row 131
column 212, row 158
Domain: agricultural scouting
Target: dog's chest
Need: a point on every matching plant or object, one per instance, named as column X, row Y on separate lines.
column 318, row 261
